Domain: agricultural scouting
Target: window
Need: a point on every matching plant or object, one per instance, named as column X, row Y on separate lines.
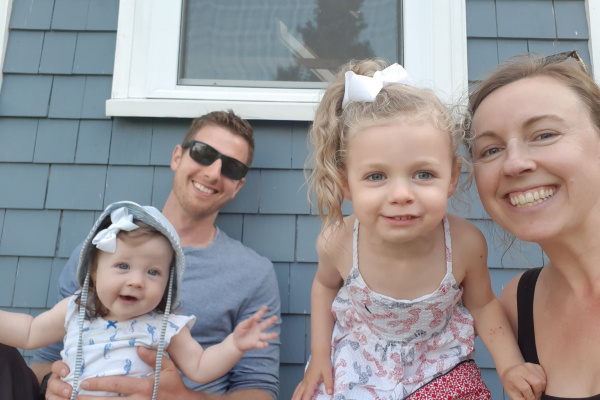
column 282, row 43
column 593, row 15
column 5, row 8
column 267, row 60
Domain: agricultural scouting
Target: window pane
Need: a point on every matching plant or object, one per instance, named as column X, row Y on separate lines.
column 283, row 43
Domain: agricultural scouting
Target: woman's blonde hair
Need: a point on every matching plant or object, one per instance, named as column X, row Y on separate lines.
column 333, row 127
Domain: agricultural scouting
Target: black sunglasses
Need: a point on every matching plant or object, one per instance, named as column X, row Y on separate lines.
column 560, row 57
column 206, row 155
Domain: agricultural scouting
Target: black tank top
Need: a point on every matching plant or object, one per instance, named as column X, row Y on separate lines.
column 526, row 336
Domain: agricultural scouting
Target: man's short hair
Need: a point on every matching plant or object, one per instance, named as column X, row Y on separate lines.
column 226, row 120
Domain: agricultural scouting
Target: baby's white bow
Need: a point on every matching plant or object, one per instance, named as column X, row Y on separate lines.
column 366, row 88
column 106, row 239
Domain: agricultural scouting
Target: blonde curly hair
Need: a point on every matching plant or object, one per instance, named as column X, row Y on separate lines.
column 333, row 127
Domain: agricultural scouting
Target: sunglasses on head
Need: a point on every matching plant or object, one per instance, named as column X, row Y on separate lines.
column 204, row 154
column 560, row 57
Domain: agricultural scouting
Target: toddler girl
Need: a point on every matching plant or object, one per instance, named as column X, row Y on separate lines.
column 400, row 286
column 130, row 269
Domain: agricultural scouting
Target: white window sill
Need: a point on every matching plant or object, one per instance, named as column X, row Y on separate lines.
column 190, row 108
column 145, row 72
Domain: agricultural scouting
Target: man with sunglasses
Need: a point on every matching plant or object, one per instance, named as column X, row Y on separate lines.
column 224, row 282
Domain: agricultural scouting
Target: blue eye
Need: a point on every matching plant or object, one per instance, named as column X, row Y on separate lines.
column 544, row 135
column 375, row 177
column 423, row 175
column 490, row 152
column 123, row 266
column 153, row 272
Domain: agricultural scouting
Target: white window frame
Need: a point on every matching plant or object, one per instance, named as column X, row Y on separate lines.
column 592, row 8
column 5, row 10
column 145, row 70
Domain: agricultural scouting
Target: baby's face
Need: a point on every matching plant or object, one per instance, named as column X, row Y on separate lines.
column 131, row 281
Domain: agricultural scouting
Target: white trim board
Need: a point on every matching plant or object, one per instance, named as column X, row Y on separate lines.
column 145, row 71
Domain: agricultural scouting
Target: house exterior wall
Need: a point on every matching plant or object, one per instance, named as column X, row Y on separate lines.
column 62, row 160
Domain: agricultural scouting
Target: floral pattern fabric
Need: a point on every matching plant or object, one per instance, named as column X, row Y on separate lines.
column 385, row 348
column 463, row 382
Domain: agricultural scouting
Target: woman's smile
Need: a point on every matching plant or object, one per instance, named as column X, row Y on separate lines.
column 531, row 197
column 532, row 162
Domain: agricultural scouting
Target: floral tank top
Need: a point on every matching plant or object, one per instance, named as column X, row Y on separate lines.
column 384, row 348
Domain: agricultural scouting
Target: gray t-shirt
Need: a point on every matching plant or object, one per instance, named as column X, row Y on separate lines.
column 223, row 284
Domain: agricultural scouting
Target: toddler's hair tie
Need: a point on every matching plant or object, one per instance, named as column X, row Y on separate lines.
column 366, row 88
column 106, row 239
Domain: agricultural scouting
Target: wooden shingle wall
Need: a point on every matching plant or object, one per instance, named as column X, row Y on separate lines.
column 62, row 160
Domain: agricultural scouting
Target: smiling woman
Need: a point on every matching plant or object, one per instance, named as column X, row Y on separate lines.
column 535, row 143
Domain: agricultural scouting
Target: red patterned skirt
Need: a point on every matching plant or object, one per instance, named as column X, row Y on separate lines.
column 462, row 382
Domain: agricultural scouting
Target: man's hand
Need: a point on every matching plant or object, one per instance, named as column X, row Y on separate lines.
column 170, row 386
column 57, row 389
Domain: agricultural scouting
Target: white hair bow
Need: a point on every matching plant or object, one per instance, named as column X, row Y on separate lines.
column 106, row 239
column 366, row 88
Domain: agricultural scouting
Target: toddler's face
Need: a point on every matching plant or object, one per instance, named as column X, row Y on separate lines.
column 132, row 281
column 399, row 177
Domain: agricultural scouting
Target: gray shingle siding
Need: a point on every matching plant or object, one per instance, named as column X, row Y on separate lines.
column 498, row 29
column 62, row 160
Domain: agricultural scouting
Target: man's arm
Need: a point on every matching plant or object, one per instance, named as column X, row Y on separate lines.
column 261, row 384
column 170, row 385
column 249, row 394
column 259, row 368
